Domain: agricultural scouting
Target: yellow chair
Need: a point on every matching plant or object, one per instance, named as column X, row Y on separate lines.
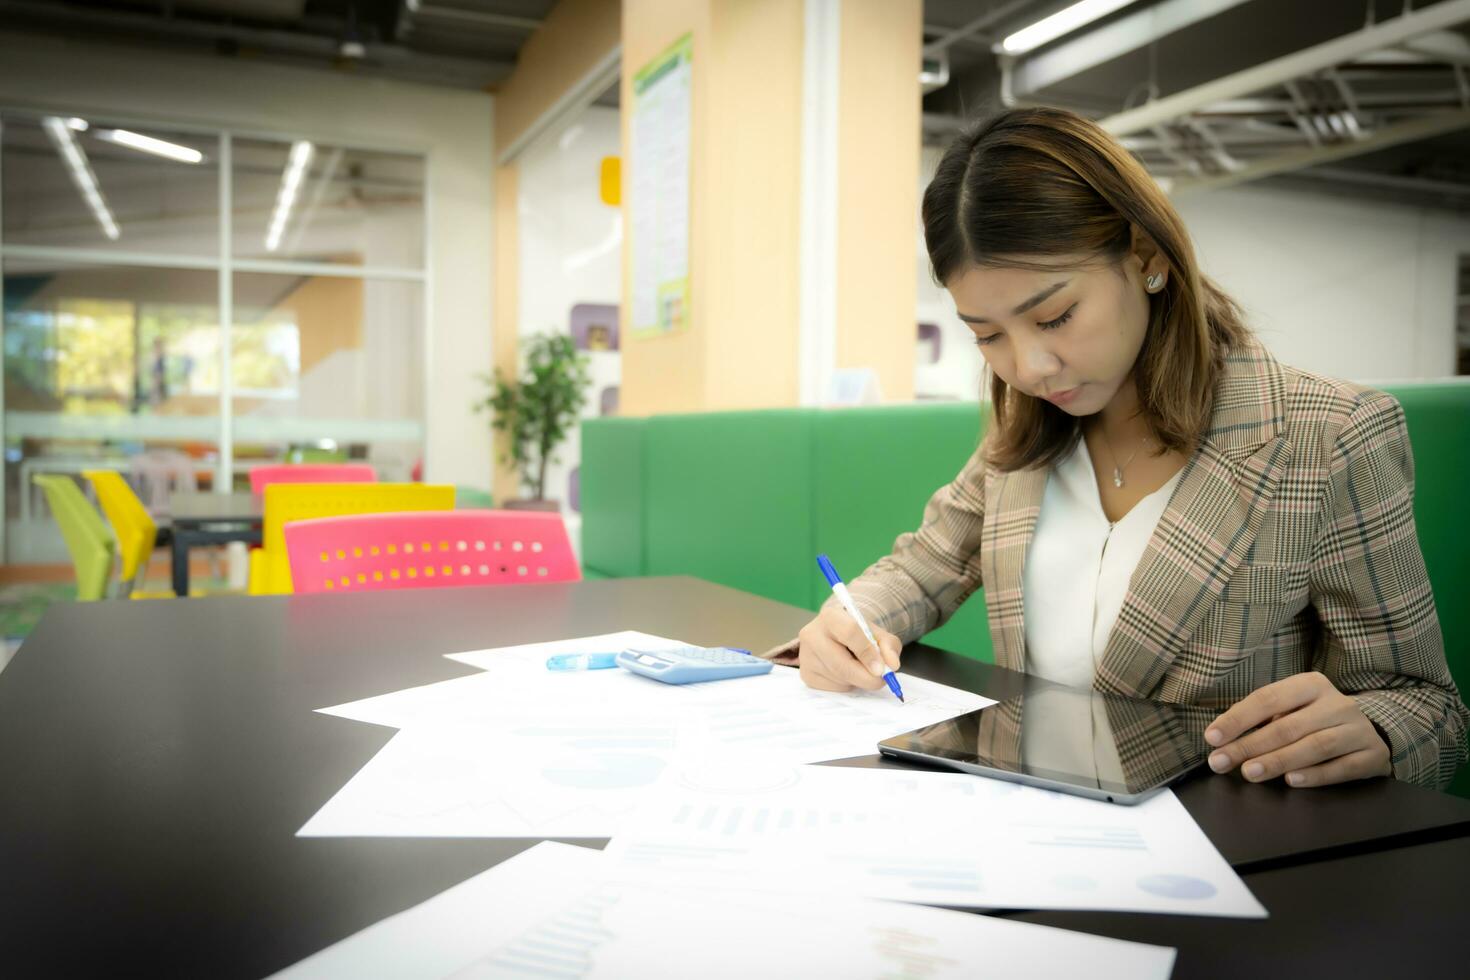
column 134, row 530
column 131, row 526
column 270, row 568
column 87, row 539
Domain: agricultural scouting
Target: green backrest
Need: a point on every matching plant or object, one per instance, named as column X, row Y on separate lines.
column 1438, row 417
column 612, row 498
column 472, row 498
column 88, row 540
column 729, row 499
column 747, row 499
column 875, row 468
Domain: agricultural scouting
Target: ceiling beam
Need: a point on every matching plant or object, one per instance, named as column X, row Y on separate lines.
column 1446, row 46
column 1405, row 132
column 1389, row 33
column 419, row 9
column 1394, row 182
column 993, row 16
column 1031, row 73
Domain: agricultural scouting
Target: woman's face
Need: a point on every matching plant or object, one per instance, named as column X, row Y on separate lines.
column 1070, row 335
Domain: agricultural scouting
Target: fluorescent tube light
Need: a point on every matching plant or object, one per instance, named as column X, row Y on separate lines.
column 148, row 144
column 81, row 173
column 291, row 177
column 1062, row 22
column 80, row 125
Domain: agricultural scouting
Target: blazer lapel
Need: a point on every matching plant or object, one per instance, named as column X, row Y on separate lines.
column 1207, row 528
column 1012, row 504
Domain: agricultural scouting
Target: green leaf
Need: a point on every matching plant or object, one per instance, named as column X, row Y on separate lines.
column 539, row 408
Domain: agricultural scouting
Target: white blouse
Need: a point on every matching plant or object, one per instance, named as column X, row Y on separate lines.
column 1078, row 568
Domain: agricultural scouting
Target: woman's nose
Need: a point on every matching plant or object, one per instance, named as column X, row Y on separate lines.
column 1034, row 364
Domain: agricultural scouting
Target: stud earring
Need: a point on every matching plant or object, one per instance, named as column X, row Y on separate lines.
column 1154, row 282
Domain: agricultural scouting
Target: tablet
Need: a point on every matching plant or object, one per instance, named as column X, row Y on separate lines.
column 1084, row 742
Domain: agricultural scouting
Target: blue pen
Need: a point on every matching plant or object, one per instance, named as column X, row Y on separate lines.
column 845, row 597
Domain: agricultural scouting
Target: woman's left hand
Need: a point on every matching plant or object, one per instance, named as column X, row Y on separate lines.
column 1308, row 731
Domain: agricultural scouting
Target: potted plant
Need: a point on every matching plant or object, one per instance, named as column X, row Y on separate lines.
column 537, row 410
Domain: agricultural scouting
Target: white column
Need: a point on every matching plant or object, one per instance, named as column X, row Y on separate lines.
column 819, row 114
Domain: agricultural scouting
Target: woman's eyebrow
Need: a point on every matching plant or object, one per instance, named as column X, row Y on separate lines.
column 1038, row 298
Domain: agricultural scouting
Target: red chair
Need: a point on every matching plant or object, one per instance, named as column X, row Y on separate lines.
column 428, row 549
column 263, row 476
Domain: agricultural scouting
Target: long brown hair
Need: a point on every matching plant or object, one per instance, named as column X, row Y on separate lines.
column 1033, row 183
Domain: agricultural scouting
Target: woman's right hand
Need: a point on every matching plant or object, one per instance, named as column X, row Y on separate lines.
column 836, row 656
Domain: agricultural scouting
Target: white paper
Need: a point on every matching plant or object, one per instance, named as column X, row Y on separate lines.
column 522, row 777
column 512, row 677
column 521, row 751
column 938, row 838
column 551, row 911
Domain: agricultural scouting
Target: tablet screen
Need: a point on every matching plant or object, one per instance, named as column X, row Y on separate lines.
column 1080, row 737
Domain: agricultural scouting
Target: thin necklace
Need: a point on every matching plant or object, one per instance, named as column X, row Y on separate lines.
column 1117, row 469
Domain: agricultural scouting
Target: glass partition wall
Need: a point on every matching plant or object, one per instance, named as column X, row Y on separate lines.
column 183, row 304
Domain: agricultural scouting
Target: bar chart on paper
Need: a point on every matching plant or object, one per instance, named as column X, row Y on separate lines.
column 937, row 838
column 554, row 911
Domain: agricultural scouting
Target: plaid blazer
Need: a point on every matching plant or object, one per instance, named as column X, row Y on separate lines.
column 1288, row 545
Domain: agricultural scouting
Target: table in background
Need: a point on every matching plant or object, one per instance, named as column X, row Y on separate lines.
column 156, row 760
column 210, row 518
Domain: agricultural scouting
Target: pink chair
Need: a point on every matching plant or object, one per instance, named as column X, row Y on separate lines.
column 262, row 476
column 428, row 549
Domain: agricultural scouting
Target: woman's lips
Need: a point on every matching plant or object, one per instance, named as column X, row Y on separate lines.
column 1063, row 397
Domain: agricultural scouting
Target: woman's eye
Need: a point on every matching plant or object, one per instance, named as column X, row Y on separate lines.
column 1053, row 324
column 986, row 341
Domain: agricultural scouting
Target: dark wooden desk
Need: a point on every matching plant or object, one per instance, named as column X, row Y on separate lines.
column 1391, row 913
column 210, row 518
column 156, row 760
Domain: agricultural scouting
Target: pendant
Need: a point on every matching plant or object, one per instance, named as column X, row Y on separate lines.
column 1117, row 477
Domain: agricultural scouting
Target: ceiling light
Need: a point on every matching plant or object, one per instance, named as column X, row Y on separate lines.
column 81, row 172
column 291, row 177
column 162, row 148
column 79, row 125
column 1062, row 22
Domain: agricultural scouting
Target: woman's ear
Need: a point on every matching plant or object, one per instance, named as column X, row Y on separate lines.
column 1153, row 268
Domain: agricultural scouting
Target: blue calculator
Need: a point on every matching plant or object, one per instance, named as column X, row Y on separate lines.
column 686, row 665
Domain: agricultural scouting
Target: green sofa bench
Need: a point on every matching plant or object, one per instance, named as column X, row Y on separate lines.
column 748, row 499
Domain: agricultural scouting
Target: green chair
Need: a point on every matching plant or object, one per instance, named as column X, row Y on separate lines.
column 87, row 538
column 857, row 514
column 728, row 499
column 472, row 498
column 1438, row 417
column 613, row 503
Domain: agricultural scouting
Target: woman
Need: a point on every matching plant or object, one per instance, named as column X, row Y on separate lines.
column 1159, row 508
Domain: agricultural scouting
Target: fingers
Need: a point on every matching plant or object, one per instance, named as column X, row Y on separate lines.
column 891, row 646
column 1316, row 747
column 1361, row 764
column 1289, row 729
column 818, row 681
column 850, row 635
column 1327, row 738
column 828, row 663
column 1274, row 699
